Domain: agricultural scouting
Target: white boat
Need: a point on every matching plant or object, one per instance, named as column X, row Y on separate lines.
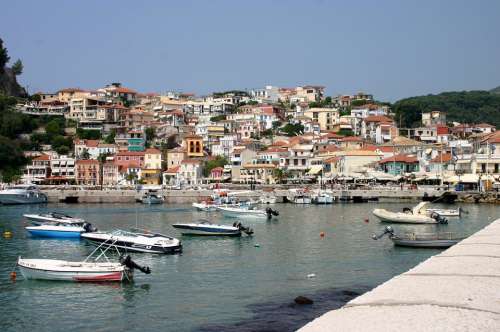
column 80, row 271
column 151, row 198
column 142, row 241
column 446, row 212
column 322, row 198
column 51, row 217
column 268, row 199
column 417, row 215
column 238, row 212
column 205, row 206
column 61, row 229
column 206, row 228
column 22, row 194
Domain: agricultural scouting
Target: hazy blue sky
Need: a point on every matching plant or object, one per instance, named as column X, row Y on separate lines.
column 392, row 49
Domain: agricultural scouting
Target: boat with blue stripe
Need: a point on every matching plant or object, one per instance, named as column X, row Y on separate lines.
column 205, row 227
column 60, row 230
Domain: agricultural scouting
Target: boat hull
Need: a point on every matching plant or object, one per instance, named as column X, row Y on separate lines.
column 14, row 199
column 54, row 233
column 114, row 273
column 206, row 231
column 133, row 247
column 404, row 218
column 424, row 243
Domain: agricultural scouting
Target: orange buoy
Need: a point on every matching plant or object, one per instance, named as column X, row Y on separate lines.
column 13, row 275
column 322, row 234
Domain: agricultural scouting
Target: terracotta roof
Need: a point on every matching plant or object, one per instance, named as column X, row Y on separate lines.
column 377, row 118
column 330, row 148
column 43, row 157
column 400, row 158
column 91, row 143
column 152, row 151
column 172, row 170
column 217, row 169
column 274, row 150
column 381, row 148
column 124, row 90
column 259, row 166
column 442, row 157
column 71, row 90
column 130, row 153
column 332, row 159
column 351, row 139
column 191, row 161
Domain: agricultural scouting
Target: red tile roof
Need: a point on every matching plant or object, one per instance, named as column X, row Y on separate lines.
column 191, row 161
column 172, row 170
column 152, row 151
column 351, row 139
column 442, row 157
column 87, row 162
column 400, row 158
column 43, row 157
column 378, row 118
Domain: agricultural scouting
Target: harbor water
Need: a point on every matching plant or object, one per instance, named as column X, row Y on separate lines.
column 216, row 284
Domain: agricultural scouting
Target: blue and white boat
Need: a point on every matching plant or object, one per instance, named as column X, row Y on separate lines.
column 61, row 230
column 204, row 227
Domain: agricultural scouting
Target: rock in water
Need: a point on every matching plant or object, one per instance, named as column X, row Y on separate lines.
column 303, row 300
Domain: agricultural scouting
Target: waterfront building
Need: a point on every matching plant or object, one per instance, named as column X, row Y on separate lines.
column 126, row 158
column 87, row 172
column 110, row 174
column 258, row 173
column 175, row 156
column 351, row 161
column 240, row 156
column 63, row 168
column 400, row 164
column 190, row 172
column 38, row 170
column 151, row 172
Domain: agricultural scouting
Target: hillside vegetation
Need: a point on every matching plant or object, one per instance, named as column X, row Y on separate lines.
column 463, row 107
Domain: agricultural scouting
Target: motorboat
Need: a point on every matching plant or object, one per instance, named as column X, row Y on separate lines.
column 300, row 199
column 140, row 241
column 446, row 212
column 417, row 215
column 61, row 229
column 205, row 206
column 322, row 198
column 268, row 199
column 38, row 219
column 88, row 270
column 238, row 212
column 420, row 240
column 205, row 227
column 22, row 194
column 151, row 198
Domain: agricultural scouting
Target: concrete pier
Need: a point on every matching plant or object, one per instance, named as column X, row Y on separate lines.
column 456, row 290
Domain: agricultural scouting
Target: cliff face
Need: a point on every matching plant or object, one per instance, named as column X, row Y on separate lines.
column 9, row 85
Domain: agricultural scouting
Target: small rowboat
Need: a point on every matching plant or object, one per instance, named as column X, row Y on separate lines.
column 420, row 240
column 236, row 212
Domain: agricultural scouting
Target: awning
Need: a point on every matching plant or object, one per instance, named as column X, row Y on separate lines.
column 315, row 169
column 466, row 178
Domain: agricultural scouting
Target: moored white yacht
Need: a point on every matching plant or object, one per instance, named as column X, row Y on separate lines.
column 206, row 228
column 51, row 217
column 22, row 194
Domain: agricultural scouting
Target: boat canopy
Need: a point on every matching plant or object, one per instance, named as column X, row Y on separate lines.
column 420, row 208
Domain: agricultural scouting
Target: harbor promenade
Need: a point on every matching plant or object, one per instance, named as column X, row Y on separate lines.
column 456, row 290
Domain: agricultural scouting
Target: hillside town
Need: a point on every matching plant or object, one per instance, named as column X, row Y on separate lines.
column 269, row 135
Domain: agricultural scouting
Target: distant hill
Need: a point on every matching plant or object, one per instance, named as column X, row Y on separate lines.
column 463, row 106
column 496, row 90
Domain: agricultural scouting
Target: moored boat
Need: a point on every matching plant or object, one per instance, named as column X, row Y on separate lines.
column 61, row 229
column 41, row 218
column 322, row 198
column 151, row 198
column 22, row 194
column 142, row 241
column 417, row 215
column 206, row 228
column 420, row 240
column 238, row 212
column 446, row 212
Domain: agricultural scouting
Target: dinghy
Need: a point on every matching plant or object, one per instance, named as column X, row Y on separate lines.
column 417, row 215
column 420, row 240
column 205, row 227
column 446, row 212
column 237, row 212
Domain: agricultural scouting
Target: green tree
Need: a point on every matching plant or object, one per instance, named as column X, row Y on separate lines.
column 88, row 133
column 219, row 161
column 218, row 118
column 11, row 159
column 17, row 67
column 291, row 129
column 150, row 135
column 110, row 139
column 4, row 56
column 85, row 154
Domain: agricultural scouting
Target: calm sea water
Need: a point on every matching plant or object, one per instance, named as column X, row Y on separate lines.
column 217, row 284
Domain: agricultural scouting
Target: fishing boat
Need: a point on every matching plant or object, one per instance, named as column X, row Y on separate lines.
column 61, row 229
column 322, row 198
column 39, row 219
column 151, row 198
column 417, row 215
column 205, row 227
column 446, row 212
column 238, row 212
column 140, row 241
column 88, row 270
column 420, row 240
column 22, row 194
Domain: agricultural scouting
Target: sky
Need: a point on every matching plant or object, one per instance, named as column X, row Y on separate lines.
column 392, row 49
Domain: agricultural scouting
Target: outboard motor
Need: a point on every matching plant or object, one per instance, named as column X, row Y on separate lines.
column 387, row 230
column 246, row 230
column 128, row 262
column 89, row 228
column 439, row 218
column 270, row 213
